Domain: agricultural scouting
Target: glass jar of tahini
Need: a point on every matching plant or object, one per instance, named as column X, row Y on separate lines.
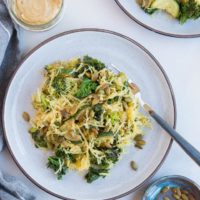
column 36, row 15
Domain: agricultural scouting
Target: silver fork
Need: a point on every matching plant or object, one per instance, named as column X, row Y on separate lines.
column 186, row 146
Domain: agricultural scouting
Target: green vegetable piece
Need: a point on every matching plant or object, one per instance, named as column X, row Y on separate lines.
column 113, row 154
column 61, row 153
column 114, row 116
column 48, row 67
column 44, row 102
column 93, row 174
column 86, row 88
column 189, row 10
column 98, row 110
column 57, row 165
column 65, row 71
column 106, row 134
column 150, row 11
column 39, row 139
column 33, row 130
column 98, row 65
column 59, row 84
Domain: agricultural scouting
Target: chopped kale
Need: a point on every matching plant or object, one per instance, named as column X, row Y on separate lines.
column 93, row 174
column 65, row 71
column 57, row 165
column 59, row 84
column 105, row 134
column 111, row 101
column 86, row 88
column 98, row 110
column 61, row 153
column 113, row 154
column 98, row 65
column 150, row 11
column 38, row 138
column 45, row 102
column 189, row 10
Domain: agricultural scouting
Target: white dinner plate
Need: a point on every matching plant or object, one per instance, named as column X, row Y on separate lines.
column 160, row 22
column 111, row 48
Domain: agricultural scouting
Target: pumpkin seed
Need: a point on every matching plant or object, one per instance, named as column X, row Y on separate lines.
column 178, row 191
column 176, row 196
column 138, row 137
column 107, row 91
column 184, row 197
column 96, row 100
column 174, row 190
column 165, row 189
column 26, row 116
column 64, row 113
column 95, row 76
column 140, row 142
column 138, row 146
column 88, row 74
column 134, row 165
column 185, row 192
column 190, row 197
column 125, row 106
column 166, row 198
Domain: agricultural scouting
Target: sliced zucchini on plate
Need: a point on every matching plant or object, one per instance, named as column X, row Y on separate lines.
column 170, row 6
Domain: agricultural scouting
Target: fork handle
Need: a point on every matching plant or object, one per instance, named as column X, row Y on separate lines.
column 187, row 147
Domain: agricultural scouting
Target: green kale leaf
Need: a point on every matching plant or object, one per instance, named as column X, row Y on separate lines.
column 86, row 88
column 93, row 174
column 98, row 65
column 189, row 10
column 38, row 138
column 57, row 165
column 98, row 110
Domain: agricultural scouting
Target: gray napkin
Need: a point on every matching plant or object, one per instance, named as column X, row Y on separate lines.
column 13, row 189
column 10, row 187
column 8, row 57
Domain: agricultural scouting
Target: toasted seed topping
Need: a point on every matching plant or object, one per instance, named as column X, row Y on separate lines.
column 165, row 189
column 138, row 137
column 190, row 197
column 178, row 191
column 134, row 165
column 166, row 198
column 141, row 142
column 26, row 116
column 176, row 196
column 184, row 197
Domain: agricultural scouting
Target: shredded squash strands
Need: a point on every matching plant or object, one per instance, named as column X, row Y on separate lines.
column 85, row 115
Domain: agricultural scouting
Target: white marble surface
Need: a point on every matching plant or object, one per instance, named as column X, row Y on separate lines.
column 179, row 58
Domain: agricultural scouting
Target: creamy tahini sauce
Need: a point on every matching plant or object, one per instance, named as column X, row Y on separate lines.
column 36, row 12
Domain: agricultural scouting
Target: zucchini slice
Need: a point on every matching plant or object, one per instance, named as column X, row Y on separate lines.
column 170, row 6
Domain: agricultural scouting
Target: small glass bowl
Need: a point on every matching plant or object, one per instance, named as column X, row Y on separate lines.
column 176, row 181
column 42, row 27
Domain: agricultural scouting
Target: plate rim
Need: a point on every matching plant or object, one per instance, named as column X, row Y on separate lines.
column 98, row 30
column 186, row 36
